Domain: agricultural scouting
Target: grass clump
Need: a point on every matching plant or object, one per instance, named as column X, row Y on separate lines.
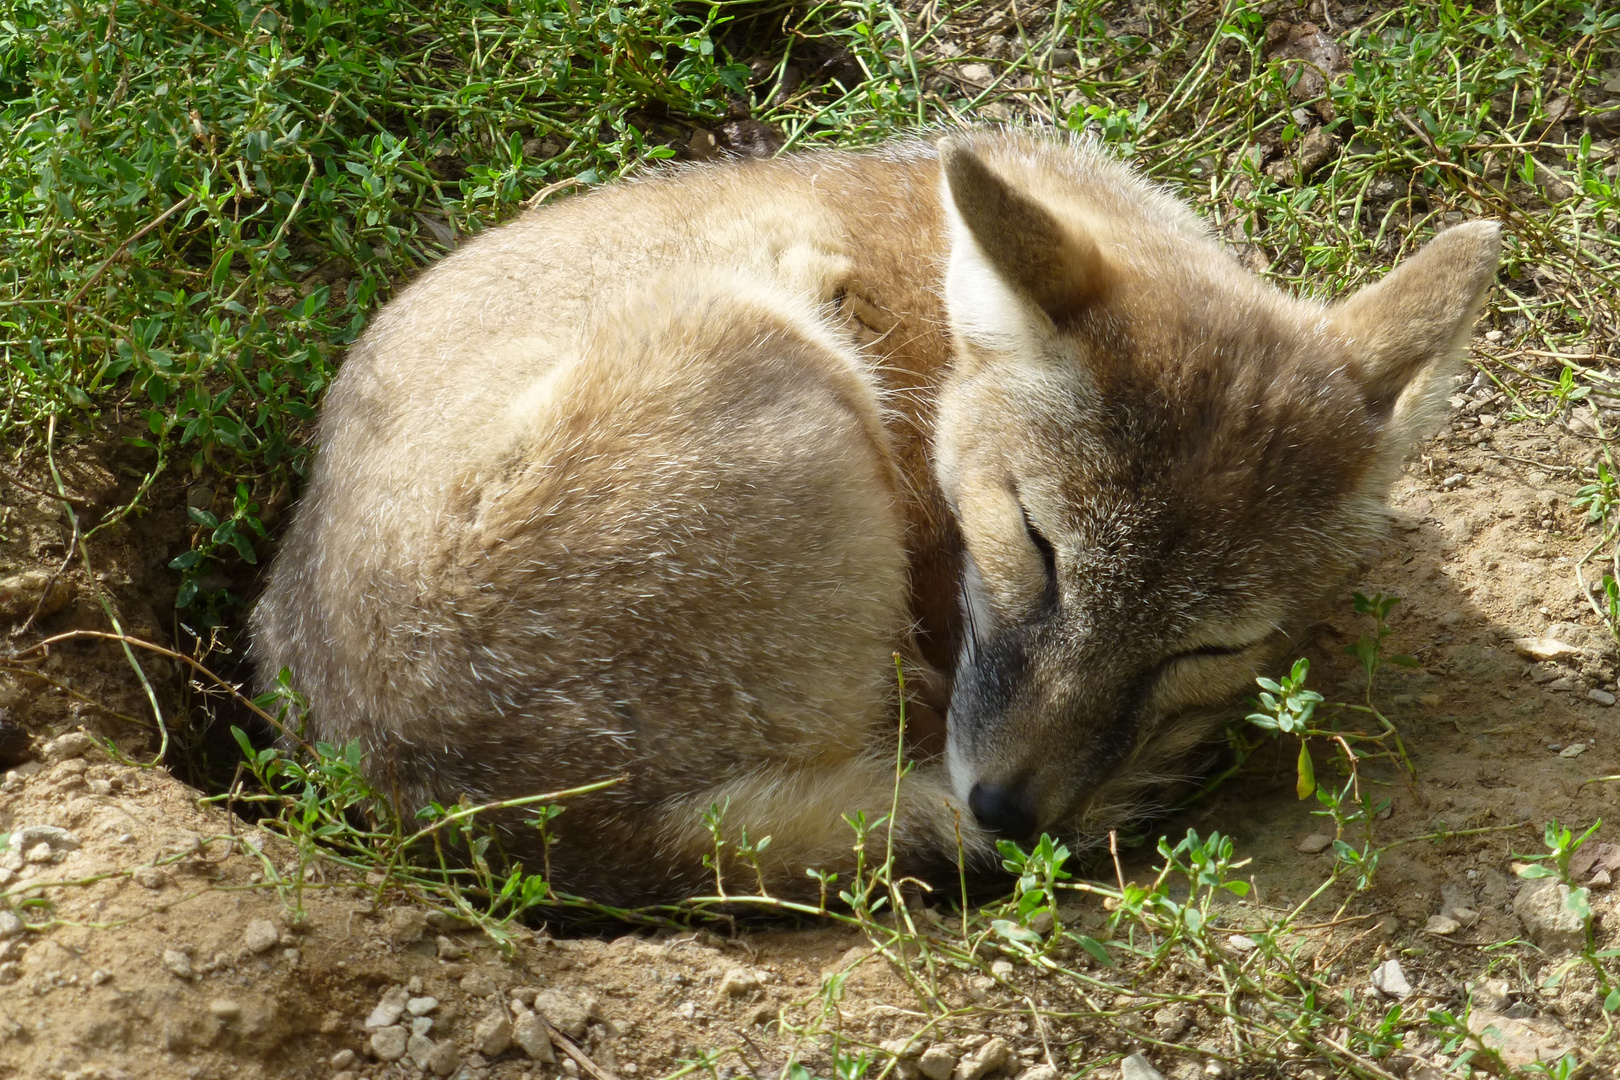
column 204, row 203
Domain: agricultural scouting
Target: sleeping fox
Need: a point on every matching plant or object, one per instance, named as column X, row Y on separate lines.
column 655, row 483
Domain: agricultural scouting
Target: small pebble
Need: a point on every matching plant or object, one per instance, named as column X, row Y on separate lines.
column 389, row 1043
column 1314, row 843
column 343, row 1059
column 261, row 935
column 419, row 1048
column 1137, row 1067
column 1002, row 969
column 1389, row 979
column 739, row 983
column 1602, row 697
column 1439, row 924
column 1573, row 750
column 1242, row 943
column 66, row 747
column 225, row 1008
column 983, row 1061
column 421, row 1006
column 178, row 963
column 531, row 1036
column 493, row 1035
column 937, row 1062
column 444, row 1060
column 388, row 1010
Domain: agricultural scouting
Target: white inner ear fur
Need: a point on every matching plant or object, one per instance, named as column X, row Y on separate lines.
column 985, row 311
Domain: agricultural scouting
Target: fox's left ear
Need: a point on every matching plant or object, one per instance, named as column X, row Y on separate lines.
column 1407, row 331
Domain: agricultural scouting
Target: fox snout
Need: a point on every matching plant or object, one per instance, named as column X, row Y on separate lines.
column 1033, row 728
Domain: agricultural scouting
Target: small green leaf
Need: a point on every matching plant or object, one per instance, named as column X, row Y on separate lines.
column 1306, row 782
column 1099, row 951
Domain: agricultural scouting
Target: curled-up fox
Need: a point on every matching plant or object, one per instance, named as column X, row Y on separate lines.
column 656, row 483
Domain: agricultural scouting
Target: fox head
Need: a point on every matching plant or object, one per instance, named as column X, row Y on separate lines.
column 1158, row 464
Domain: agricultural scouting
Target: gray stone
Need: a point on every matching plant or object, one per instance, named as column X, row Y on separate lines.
column 1039, row 1072
column 738, row 982
column 261, row 936
column 390, row 1043
column 937, row 1062
column 1520, row 1040
column 178, row 963
column 419, row 1048
column 406, row 925
column 563, row 1012
column 65, row 747
column 532, row 1037
column 389, row 1009
column 444, row 1060
column 1389, row 980
column 1314, row 843
column 1542, row 906
column 421, row 1006
column 1137, row 1067
column 493, row 1035
column 983, row 1061
column 1441, row 925
column 10, row 923
column 33, row 835
column 1602, row 697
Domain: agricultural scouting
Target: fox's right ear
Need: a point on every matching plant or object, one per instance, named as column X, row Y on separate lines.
column 1409, row 330
column 1016, row 272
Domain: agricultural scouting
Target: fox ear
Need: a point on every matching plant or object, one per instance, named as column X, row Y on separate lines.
column 1015, row 271
column 1408, row 330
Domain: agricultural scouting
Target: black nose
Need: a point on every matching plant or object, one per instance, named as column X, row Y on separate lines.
column 1003, row 809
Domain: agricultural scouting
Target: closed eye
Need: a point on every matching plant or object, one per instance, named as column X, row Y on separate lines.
column 1203, row 652
column 1048, row 557
column 1211, row 650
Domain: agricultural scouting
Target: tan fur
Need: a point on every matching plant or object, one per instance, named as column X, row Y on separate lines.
column 656, row 481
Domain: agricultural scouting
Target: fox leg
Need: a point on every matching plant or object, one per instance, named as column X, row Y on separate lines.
column 809, row 816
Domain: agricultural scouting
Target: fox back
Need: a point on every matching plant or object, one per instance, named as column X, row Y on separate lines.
column 653, row 485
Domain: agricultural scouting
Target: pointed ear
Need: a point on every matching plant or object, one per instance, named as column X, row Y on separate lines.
column 1409, row 329
column 1013, row 263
